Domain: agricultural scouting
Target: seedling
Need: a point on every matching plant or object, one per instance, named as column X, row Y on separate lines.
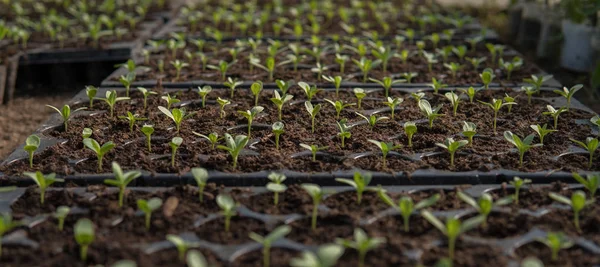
column 362, row 243
column 43, row 182
column 517, row 183
column 309, row 91
column 313, row 149
column 99, row 150
column 596, row 121
column 365, row 65
column 590, row 144
column 452, row 146
column 554, row 113
column 521, row 145
column 470, row 92
column 529, row 91
column 359, row 182
column 284, row 86
column 372, row 120
column 556, row 242
column 344, row 130
column 387, row 83
column 86, row 133
column 453, row 67
column 91, row 92
column 145, row 93
column 148, row 206
column 453, row 228
column 484, row 204
column 277, row 128
column 437, row 85
column 179, row 65
column 460, row 51
column 392, row 103
column 279, row 101
column 234, row 146
column 175, row 144
column 476, row 61
column 268, row 240
column 341, row 61
column 222, row 67
column 410, row 128
column 590, row 183
column 176, row 114
column 126, row 81
column 182, row 245
column 250, row 115
column 256, row 88
column 406, row 206
column 196, row 259
column 121, row 180
column 496, row 105
column 326, row 256
column 408, row 76
column 222, row 103
column 510, row 66
column 577, row 203
column 31, row 145
column 61, row 214
column 201, row 177
column 228, row 208
column 430, row 113
column 339, row 106
column 542, row 131
column 203, row 92
column 316, row 193
column 276, row 185
column 537, row 82
column 65, row 113
column 148, row 130
column 337, row 82
column 312, row 111
column 112, row 99
column 430, row 58
column 84, row 235
column 170, row 100
column 454, row 100
column 360, row 94
column 487, row 76
column 383, row 55
column 132, row 119
column 469, row 130
column 232, row 84
column 417, row 96
column 568, row 93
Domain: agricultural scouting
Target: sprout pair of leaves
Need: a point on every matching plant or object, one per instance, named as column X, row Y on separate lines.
column 43, row 181
column 267, row 241
column 517, row 183
column 359, row 93
column 112, row 99
column 65, row 113
column 469, row 130
column 385, row 148
column 279, row 101
column 278, row 130
column 408, row 76
column 577, row 202
column 453, row 228
column 325, row 256
column 484, row 204
column 511, row 65
column 387, row 83
column 454, row 68
column 126, row 81
column 309, row 91
column 496, row 105
column 360, row 182
column 437, row 85
column 182, row 247
column 406, row 206
column 590, row 144
column 556, row 242
column 454, row 100
column 430, row 113
column 339, row 105
column 213, row 138
column 337, row 82
column 121, row 180
column 537, row 82
column 6, row 225
column 176, row 114
column 147, row 207
column 201, row 177
column 91, row 92
column 31, row 145
column 234, row 146
column 148, row 130
column 132, row 119
column 521, row 145
column 84, row 235
column 256, row 88
column 554, row 113
column 410, row 128
column 222, row 67
column 228, row 208
column 203, row 92
column 222, row 103
column 250, row 115
column 175, row 144
column 362, row 243
column 232, row 84
column 372, row 120
column 392, row 103
column 145, row 94
column 487, row 76
column 344, row 130
column 470, row 92
column 568, row 93
column 312, row 111
column 61, row 214
column 276, row 185
column 179, row 65
column 313, row 149
column 99, row 150
column 542, row 131
column 452, row 146
column 365, row 65
column 590, row 183
column 316, row 193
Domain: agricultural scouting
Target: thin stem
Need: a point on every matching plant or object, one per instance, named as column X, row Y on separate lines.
column 576, row 221
column 121, row 194
column 521, row 154
column 30, row 159
column 280, row 112
column 277, row 141
column 61, row 223
column 451, row 159
column 266, row 256
column 315, row 211
column 42, row 194
column 147, row 217
column 516, row 197
column 67, row 127
column 227, row 222
column 393, row 109
column 83, row 252
column 361, row 257
column 451, row 245
column 343, row 141
column 99, row 162
column 201, row 193
column 313, row 124
column 591, row 158
column 495, row 118
column 149, row 143
column 204, row 101
column 276, row 198
column 410, row 140
column 173, row 158
column 406, row 222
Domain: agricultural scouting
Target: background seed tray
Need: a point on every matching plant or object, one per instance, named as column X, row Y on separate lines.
column 494, row 174
column 504, row 249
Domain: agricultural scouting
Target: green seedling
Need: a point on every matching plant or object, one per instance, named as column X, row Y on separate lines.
column 470, row 92
column 496, row 105
column 387, row 83
column 146, row 93
column 277, row 129
column 325, row 256
column 372, row 120
column 392, row 103
column 232, row 84
column 61, row 214
column 568, row 93
column 430, row 113
column 542, row 131
column 453, row 228
column 511, row 66
column 86, row 133
column 484, row 204
column 313, row 149
column 196, row 259
column 7, row 224
column 410, row 128
column 341, row 61
column 596, row 121
column 452, row 146
column 344, row 130
column 203, row 92
column 84, row 235
column 126, row 81
column 176, row 114
column 383, row 55
column 385, row 148
column 250, row 115
column 487, row 76
column 234, row 146
column 31, row 145
column 476, row 61
column 537, row 82
column 554, row 113
column 339, row 106
column 316, row 193
column 121, row 180
column 276, row 185
column 529, row 91
column 469, row 130
column 228, row 208
column 279, row 101
column 454, row 100
column 91, row 92
column 148, row 130
column 474, row 41
column 267, row 241
column 201, row 177
column 431, row 60
column 65, row 113
column 408, row 76
column 181, row 245
column 417, row 96
column 360, row 94
column 360, row 182
column 222, row 67
column 521, row 145
column 590, row 144
column 269, row 66
column 132, row 119
column 175, row 144
column 590, row 183
column 112, row 99
column 365, row 65
column 406, row 206
column 147, row 207
column 556, row 242
column 437, row 85
column 256, row 88
column 284, row 86
column 43, row 182
column 517, row 183
column 213, row 138
column 170, row 100
column 312, row 111
column 460, row 51
column 453, row 67
column 222, row 103
column 362, row 244
column 509, row 99
column 577, row 203
column 99, row 150
column 309, row 91
column 337, row 82
column 179, row 65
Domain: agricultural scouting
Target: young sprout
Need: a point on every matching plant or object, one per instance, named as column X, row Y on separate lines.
column 344, row 130
column 470, row 92
column 268, row 240
column 84, row 235
column 371, row 120
column 460, row 51
column 365, row 65
column 145, row 93
column 410, row 128
column 510, row 66
column 360, row 94
column 170, row 100
column 577, row 203
column 454, row 100
column 341, row 61
column 203, row 92
column 430, row 113
column 312, row 111
column 232, row 84
column 430, row 58
column 277, row 129
column 542, row 131
column 408, row 76
column 496, row 105
column 476, row 61
column 99, row 150
column 132, row 118
column 179, row 65
column 469, row 130
column 361, row 243
column 486, row 77
column 325, row 256
column 112, row 99
column 256, row 88
column 387, row 83
column 234, row 146
column 148, row 130
column 596, row 121
column 452, row 146
column 228, row 208
column 517, row 183
column 437, row 85
column 453, row 67
column 175, row 144
column 43, row 182
column 316, row 193
column 176, row 114
column 148, row 206
column 91, row 92
column 529, row 91
column 279, row 101
column 201, row 177
column 556, row 242
column 383, row 55
column 222, row 103
column 521, row 145
column 484, row 204
column 554, row 113
column 568, row 93
column 61, row 214
column 182, row 245
column 453, row 228
column 339, row 106
column 121, row 180
column 65, row 113
column 590, row 144
column 393, row 103
column 126, row 81
column 222, row 67
column 86, row 133
column 250, row 115
column 276, row 185
column 309, row 91
column 284, row 86
column 313, row 149
column 337, row 82
column 591, row 183
column 406, row 206
column 31, row 145
column 359, row 182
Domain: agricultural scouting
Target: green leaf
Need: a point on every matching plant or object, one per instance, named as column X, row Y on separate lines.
column 84, row 231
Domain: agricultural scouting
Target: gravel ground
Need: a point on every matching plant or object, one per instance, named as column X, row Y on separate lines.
column 23, row 116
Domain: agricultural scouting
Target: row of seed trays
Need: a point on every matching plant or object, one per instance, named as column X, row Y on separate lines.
column 453, row 151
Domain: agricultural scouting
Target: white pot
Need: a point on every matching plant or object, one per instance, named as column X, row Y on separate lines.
column 577, row 51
